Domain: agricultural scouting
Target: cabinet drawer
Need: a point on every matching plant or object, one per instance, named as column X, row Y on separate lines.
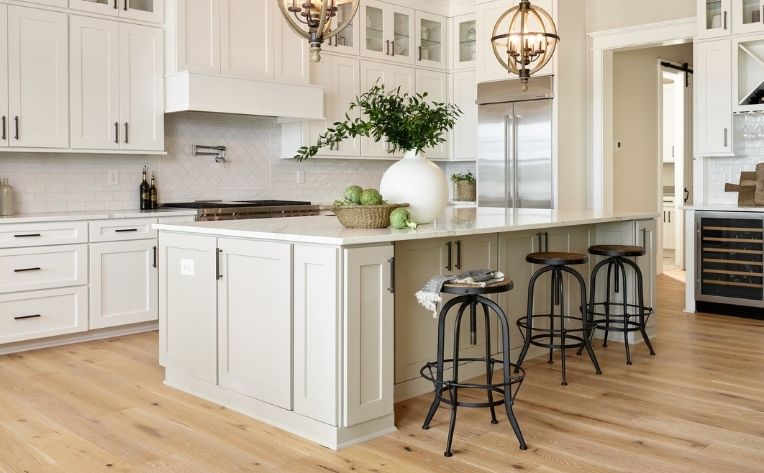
column 45, row 267
column 39, row 314
column 43, row 234
column 122, row 229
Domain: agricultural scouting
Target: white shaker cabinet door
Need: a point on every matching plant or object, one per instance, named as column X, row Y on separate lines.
column 193, row 36
column 94, row 73
column 255, row 320
column 123, row 283
column 143, row 10
column 38, row 58
column 247, row 38
column 369, row 333
column 435, row 84
column 141, row 87
column 316, row 333
column 713, row 98
column 4, row 134
column 374, row 73
column 464, row 95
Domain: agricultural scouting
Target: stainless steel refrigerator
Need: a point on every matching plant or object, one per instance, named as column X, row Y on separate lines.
column 515, row 144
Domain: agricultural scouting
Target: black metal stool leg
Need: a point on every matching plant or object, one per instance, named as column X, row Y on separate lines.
column 641, row 302
column 554, row 302
column 586, row 341
column 592, row 328
column 488, row 364
column 559, row 289
column 529, row 316
column 453, row 389
column 626, row 316
column 607, row 302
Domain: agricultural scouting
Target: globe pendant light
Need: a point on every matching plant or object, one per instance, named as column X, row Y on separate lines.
column 524, row 40
column 314, row 20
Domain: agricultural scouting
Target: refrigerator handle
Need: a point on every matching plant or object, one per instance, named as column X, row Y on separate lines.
column 509, row 156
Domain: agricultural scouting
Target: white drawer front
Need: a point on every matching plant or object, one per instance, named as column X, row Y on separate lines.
column 44, row 267
column 43, row 234
column 122, row 229
column 39, row 314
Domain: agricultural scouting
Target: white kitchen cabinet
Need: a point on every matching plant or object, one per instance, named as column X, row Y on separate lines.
column 392, row 77
column 747, row 16
column 142, row 10
column 387, row 32
column 193, row 36
column 463, row 140
column 669, row 226
column 50, row 3
column 341, row 77
column 646, row 232
column 188, row 325
column 488, row 67
column 464, row 42
column 317, row 333
column 4, row 132
column 291, row 54
column 141, row 72
column 38, row 83
column 431, row 40
column 347, row 42
column 246, row 47
column 416, row 262
column 254, row 322
column 94, row 74
column 123, row 283
column 38, row 314
column 435, row 84
column 369, row 333
column 43, row 267
column 713, row 98
column 714, row 18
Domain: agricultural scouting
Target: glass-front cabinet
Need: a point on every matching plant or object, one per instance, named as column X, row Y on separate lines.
column 431, row 40
column 347, row 40
column 387, row 32
column 748, row 16
column 143, row 10
column 464, row 42
column 714, row 18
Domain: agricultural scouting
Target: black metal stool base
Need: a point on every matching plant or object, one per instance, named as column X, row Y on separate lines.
column 507, row 389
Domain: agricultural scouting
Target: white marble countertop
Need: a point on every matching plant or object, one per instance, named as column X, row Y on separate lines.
column 722, row 208
column 93, row 215
column 456, row 221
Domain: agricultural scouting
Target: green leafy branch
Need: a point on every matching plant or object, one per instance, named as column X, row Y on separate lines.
column 408, row 122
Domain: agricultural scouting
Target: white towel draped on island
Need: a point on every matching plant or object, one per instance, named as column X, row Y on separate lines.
column 429, row 296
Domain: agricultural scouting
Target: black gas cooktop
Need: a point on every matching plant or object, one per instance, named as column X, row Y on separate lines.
column 221, row 204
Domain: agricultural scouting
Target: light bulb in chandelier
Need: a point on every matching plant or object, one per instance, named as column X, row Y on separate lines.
column 524, row 40
column 318, row 20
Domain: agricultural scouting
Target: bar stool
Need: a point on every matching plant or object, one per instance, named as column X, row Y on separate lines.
column 470, row 296
column 569, row 337
column 617, row 259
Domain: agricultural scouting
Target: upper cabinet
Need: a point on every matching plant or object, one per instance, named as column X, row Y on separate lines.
column 714, row 18
column 247, row 41
column 37, row 78
column 464, row 42
column 348, row 40
column 748, row 16
column 142, row 10
column 713, row 98
column 4, row 134
column 432, row 40
column 387, row 32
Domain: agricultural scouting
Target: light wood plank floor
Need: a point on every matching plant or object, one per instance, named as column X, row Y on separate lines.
column 697, row 407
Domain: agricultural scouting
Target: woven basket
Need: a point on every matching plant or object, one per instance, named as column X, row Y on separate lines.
column 364, row 216
column 465, row 191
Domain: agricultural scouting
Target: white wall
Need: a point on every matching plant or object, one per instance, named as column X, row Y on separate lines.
column 612, row 14
column 636, row 125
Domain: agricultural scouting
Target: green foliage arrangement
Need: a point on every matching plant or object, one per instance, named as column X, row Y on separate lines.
column 463, row 176
column 408, row 122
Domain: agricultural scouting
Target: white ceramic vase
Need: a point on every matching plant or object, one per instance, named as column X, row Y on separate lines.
column 419, row 182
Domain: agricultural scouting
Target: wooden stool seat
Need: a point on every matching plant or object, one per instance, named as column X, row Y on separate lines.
column 556, row 259
column 471, row 289
column 622, row 251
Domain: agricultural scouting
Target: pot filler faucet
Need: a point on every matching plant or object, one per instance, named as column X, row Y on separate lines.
column 217, row 151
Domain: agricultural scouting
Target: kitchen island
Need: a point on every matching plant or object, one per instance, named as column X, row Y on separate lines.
column 315, row 329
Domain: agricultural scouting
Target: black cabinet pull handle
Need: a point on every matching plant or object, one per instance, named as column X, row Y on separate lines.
column 125, row 230
column 218, row 276
column 458, row 254
column 127, row 133
column 116, row 132
column 644, row 238
column 448, row 249
column 26, row 270
column 725, row 20
column 27, row 235
column 116, row 7
column 391, row 289
column 16, row 120
column 546, row 242
column 4, row 124
column 23, row 317
column 126, row 1
column 155, row 258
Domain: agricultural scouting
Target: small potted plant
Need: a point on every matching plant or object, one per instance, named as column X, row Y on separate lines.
column 410, row 123
column 465, row 186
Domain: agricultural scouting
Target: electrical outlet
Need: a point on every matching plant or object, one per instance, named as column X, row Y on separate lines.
column 301, row 177
column 112, row 178
column 619, row 145
column 187, row 267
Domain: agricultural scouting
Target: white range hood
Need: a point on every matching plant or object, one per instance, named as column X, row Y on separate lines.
column 186, row 91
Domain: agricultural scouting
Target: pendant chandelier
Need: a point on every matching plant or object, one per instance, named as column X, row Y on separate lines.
column 314, row 20
column 524, row 40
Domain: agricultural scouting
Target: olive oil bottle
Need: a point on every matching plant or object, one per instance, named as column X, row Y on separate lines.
column 153, row 194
